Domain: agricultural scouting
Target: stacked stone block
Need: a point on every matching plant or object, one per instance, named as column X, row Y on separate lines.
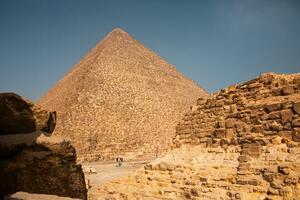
column 242, row 143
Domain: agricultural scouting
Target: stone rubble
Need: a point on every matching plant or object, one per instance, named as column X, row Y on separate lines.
column 241, row 143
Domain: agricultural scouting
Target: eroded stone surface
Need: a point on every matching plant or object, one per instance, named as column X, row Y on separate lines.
column 31, row 161
column 20, row 116
column 47, row 167
column 242, row 143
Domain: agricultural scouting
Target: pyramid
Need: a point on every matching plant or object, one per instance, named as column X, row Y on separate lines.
column 120, row 99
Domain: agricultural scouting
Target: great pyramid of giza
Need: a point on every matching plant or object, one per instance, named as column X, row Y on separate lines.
column 120, row 99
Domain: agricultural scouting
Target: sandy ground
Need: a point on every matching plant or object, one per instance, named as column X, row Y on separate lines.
column 107, row 171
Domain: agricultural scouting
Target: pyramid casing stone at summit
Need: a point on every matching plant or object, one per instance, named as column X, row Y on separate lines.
column 120, row 99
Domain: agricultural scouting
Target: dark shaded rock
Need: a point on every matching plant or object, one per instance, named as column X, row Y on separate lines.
column 296, row 135
column 50, row 123
column 286, row 115
column 30, row 161
column 296, row 107
column 296, row 122
column 47, row 167
column 16, row 114
column 284, row 169
column 273, row 107
column 21, row 116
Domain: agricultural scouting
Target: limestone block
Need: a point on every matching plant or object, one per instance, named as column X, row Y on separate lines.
column 220, row 124
column 267, row 78
column 296, row 107
column 271, row 157
column 287, row 90
column 244, row 158
column 258, row 129
column 276, row 140
column 284, row 169
column 296, row 134
column 296, row 122
column 264, row 117
column 163, row 166
column 287, row 126
column 247, row 128
column 220, row 133
column 296, row 80
column 286, row 192
column 252, row 149
column 286, row 115
column 229, row 123
column 273, row 191
column 254, row 85
column 230, row 133
column 273, row 107
column 276, row 126
column 274, row 115
column 276, row 92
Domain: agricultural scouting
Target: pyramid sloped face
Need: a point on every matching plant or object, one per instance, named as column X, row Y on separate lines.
column 121, row 98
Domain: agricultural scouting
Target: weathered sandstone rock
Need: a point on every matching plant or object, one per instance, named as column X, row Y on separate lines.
column 19, row 116
column 29, row 160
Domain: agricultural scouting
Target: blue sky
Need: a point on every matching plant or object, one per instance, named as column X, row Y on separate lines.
column 214, row 42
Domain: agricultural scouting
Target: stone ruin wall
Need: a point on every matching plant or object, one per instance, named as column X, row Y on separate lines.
column 242, row 143
column 255, row 111
column 260, row 118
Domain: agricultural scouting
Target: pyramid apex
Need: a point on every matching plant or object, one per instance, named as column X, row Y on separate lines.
column 118, row 84
column 118, row 30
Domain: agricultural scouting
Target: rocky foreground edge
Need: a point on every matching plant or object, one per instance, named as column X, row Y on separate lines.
column 30, row 161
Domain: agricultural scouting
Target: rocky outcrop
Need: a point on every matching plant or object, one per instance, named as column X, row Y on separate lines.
column 242, row 143
column 30, row 161
column 19, row 116
column 21, row 123
column 121, row 99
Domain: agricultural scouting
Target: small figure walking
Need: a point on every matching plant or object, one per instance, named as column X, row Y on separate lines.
column 119, row 161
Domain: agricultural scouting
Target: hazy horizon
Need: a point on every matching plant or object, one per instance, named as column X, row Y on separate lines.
column 214, row 43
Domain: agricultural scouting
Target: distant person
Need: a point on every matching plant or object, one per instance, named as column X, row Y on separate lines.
column 119, row 161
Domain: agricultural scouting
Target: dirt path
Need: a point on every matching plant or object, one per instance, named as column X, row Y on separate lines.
column 107, row 172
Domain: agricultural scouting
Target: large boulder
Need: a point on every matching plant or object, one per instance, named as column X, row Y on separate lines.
column 46, row 167
column 30, row 161
column 21, row 122
column 16, row 115
column 20, row 116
